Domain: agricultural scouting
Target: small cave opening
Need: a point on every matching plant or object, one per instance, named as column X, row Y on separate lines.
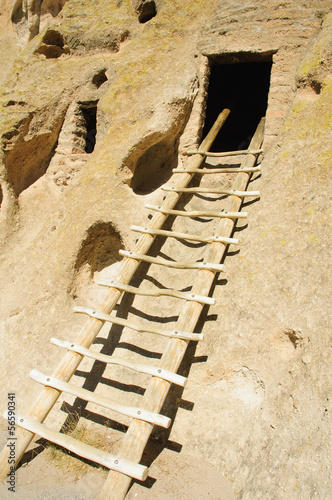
column 53, row 37
column 243, row 88
column 99, row 78
column 154, row 167
column 1, row 197
column 53, row 45
column 90, row 116
column 146, row 10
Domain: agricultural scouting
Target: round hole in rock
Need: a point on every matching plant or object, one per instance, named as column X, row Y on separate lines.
column 145, row 10
column 53, row 37
column 316, row 86
column 50, row 51
column 154, row 167
column 99, row 78
column 53, row 45
column 98, row 252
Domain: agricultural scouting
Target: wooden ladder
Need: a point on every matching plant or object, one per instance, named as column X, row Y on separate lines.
column 125, row 464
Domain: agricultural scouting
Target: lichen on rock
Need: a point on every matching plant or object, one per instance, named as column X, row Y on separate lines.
column 134, row 77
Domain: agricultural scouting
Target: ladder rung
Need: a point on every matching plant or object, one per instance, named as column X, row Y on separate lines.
column 184, row 236
column 198, row 213
column 174, row 378
column 204, row 171
column 230, row 192
column 226, row 153
column 84, row 450
column 157, row 293
column 171, row 263
column 133, row 326
column 129, row 411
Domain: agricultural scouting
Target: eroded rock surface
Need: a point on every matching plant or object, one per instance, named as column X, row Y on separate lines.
column 98, row 101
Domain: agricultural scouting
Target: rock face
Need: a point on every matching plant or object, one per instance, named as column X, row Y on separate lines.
column 98, row 101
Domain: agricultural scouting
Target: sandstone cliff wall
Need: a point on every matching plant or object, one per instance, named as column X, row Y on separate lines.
column 263, row 392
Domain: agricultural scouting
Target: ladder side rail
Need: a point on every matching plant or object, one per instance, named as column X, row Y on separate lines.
column 136, row 438
column 71, row 360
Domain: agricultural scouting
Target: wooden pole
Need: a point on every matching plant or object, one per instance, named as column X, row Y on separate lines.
column 199, row 213
column 203, row 171
column 129, row 411
column 175, row 264
column 135, row 326
column 134, row 442
column 224, row 154
column 238, row 193
column 69, row 363
column 157, row 292
column 174, row 378
column 184, row 236
column 82, row 449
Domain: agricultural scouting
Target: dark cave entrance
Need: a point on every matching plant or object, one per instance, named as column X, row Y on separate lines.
column 90, row 117
column 243, row 88
column 146, row 11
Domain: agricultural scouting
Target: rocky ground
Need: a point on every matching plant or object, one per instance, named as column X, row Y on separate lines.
column 254, row 419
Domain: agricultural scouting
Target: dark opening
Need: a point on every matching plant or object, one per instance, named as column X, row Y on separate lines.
column 17, row 13
column 90, row 117
column 53, row 37
column 146, row 11
column 99, row 78
column 243, row 88
column 1, row 196
column 53, row 45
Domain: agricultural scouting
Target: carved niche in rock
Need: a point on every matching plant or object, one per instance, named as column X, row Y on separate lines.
column 145, row 9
